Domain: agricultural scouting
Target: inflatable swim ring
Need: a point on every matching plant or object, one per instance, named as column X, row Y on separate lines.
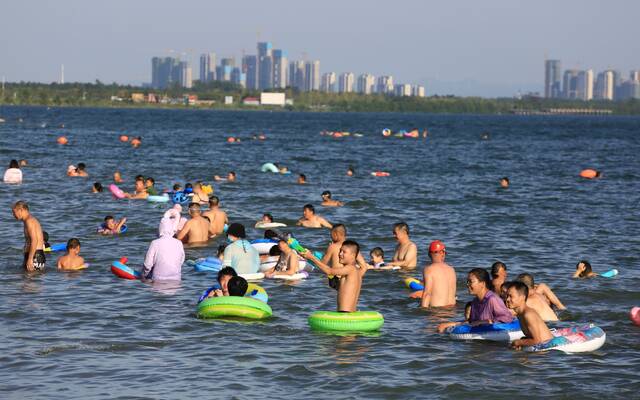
column 269, row 167
column 634, row 314
column 380, row 173
column 263, row 245
column 158, row 199
column 254, row 291
column 207, row 189
column 359, row 321
column 269, row 225
column 294, row 277
column 209, row 264
column 56, row 247
column 231, row 306
column 589, row 173
column 271, row 262
column 120, row 270
column 180, row 197
column 386, row 132
column 609, row 274
column 253, row 277
column 123, row 229
column 414, row 284
column 497, row 332
column 577, row 339
column 116, row 192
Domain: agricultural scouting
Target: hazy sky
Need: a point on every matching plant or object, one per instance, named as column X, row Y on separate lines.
column 470, row 47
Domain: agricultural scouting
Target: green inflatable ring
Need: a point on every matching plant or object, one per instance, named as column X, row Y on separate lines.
column 359, row 321
column 233, row 306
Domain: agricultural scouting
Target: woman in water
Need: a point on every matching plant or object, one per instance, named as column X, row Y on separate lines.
column 13, row 174
column 583, row 270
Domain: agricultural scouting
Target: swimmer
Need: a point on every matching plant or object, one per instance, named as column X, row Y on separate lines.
column 72, row 170
column 536, row 301
column 199, row 196
column 140, row 189
column 267, row 218
column 136, row 142
column 237, row 286
column 288, row 262
column 350, row 277
column 97, row 187
column 327, row 201
column 583, row 270
column 498, row 275
column 332, row 254
column 217, row 217
column 311, row 220
column 406, row 254
column 13, row 174
column 425, row 133
column 110, row 226
column 117, row 178
column 224, row 275
column 196, row 230
column 302, row 179
column 439, row 279
column 231, row 177
column 23, row 162
column 82, row 170
column 149, row 185
column 377, row 257
column 504, row 182
column 350, row 171
column 533, row 327
column 71, row 260
column 34, row 259
column 283, row 170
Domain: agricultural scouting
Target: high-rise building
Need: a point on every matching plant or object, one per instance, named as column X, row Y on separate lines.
column 265, row 65
column 312, row 76
column 296, row 74
column 552, row 72
column 418, row 91
column 207, row 67
column 280, row 69
column 250, row 69
column 403, row 89
column 328, row 82
column 223, row 71
column 385, row 84
column 604, row 87
column 168, row 71
column 584, row 86
column 635, row 75
column 570, row 84
column 185, row 75
column 345, row 82
column 366, row 83
column 238, row 77
column 628, row 90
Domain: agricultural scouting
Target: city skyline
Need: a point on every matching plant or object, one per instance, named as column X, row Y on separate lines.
column 489, row 49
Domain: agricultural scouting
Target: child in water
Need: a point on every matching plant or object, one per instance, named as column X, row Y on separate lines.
column 72, row 261
column 377, row 257
column 583, row 270
column 110, row 226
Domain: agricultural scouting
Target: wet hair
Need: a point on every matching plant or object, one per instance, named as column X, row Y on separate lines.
column 527, row 279
column 483, row 276
column 504, row 289
column 21, row 204
column 194, row 207
column 221, row 249
column 232, row 173
column 73, row 243
column 326, row 193
column 340, row 228
column 303, row 176
column 108, row 217
column 14, row 164
column 269, row 216
column 177, row 187
column 214, row 201
column 153, row 181
column 226, row 271
column 270, row 234
column 97, row 186
column 309, row 207
column 81, row 166
column 237, row 286
column 587, row 268
column 351, row 169
column 520, row 288
column 496, row 267
column 275, row 250
column 401, row 226
column 139, row 178
column 504, row 178
column 377, row 251
column 353, row 245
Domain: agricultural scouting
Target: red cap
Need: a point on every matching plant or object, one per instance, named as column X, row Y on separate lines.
column 435, row 246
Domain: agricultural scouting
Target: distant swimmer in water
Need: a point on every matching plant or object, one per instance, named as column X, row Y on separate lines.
column 231, row 177
column 532, row 325
column 117, row 178
column 140, row 190
column 217, row 217
column 583, row 270
column 311, row 220
column 34, row 259
column 71, row 261
column 504, row 182
column 439, row 279
column 72, row 170
column 82, row 170
column 110, row 226
column 485, row 136
column 536, row 301
column 149, row 186
column 425, row 133
column 136, row 142
column 406, row 254
column 590, row 173
column 498, row 276
column 302, row 179
column 350, row 171
column 196, row 230
column 23, row 163
column 327, row 201
column 97, row 187
column 13, row 174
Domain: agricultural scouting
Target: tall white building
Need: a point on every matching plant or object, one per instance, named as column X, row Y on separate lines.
column 385, row 84
column 345, row 82
column 207, row 67
column 312, row 76
column 280, row 69
column 366, row 83
column 635, row 76
column 584, row 86
column 403, row 89
column 604, row 86
column 328, row 82
column 417, row 91
column 296, row 74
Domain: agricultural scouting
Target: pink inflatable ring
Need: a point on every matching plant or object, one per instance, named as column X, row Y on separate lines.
column 116, row 191
column 635, row 315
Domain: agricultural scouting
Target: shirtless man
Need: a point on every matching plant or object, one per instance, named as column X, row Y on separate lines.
column 536, row 301
column 34, row 259
column 550, row 297
column 327, row 201
column 533, row 327
column 140, row 189
column 216, row 216
column 82, row 170
column 311, row 220
column 196, row 230
column 439, row 279
column 350, row 275
column 332, row 255
column 406, row 255
column 72, row 261
column 498, row 276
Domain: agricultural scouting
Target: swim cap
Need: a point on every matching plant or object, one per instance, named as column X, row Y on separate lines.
column 435, row 246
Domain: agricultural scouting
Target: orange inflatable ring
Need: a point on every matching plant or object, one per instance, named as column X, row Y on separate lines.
column 62, row 140
column 589, row 173
column 380, row 173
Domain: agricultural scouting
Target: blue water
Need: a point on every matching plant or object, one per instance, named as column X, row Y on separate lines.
column 92, row 335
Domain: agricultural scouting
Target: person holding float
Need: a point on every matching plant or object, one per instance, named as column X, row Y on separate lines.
column 165, row 255
column 531, row 323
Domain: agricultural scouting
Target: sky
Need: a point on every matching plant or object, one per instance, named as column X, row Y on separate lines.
column 484, row 48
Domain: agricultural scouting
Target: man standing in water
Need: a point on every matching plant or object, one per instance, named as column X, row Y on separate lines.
column 311, row 220
column 34, row 259
column 439, row 279
column 332, row 255
column 406, row 255
column 217, row 217
column 196, row 230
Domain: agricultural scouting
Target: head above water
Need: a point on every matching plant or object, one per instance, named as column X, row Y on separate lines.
column 14, row 164
column 338, row 232
column 497, row 269
column 267, row 218
column 527, row 279
column 73, row 243
column 478, row 279
column 236, row 230
column 326, row 195
column 504, row 182
column 194, row 208
column 349, row 252
column 517, row 295
column 308, row 209
column 401, row 230
column 97, row 187
column 237, row 286
column 214, row 201
column 587, row 268
column 81, row 166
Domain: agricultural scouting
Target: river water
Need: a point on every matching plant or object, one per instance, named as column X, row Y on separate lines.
column 92, row 335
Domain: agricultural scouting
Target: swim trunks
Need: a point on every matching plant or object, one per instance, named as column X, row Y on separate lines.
column 39, row 260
